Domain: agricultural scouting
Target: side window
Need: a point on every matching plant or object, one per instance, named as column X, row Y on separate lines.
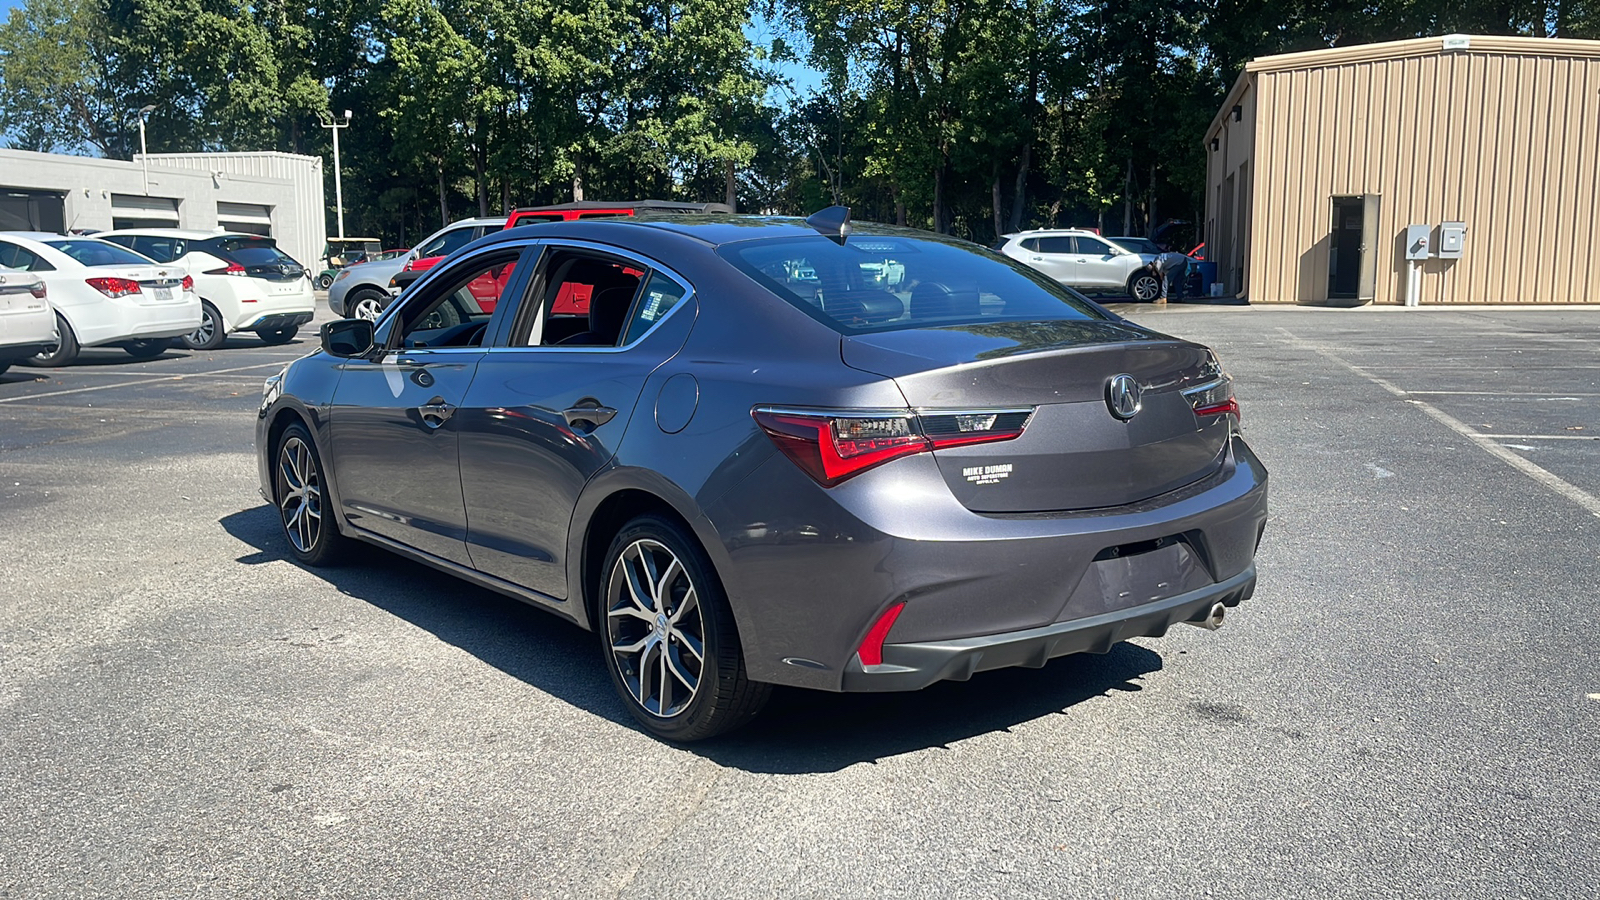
column 1031, row 245
column 585, row 302
column 1056, row 245
column 14, row 257
column 1090, row 247
column 447, row 243
column 661, row 294
column 456, row 309
column 160, row 249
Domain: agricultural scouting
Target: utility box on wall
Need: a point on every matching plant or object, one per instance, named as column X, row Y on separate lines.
column 1418, row 241
column 1452, row 239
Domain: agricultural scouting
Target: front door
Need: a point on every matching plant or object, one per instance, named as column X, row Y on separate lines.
column 550, row 406
column 1352, row 242
column 393, row 423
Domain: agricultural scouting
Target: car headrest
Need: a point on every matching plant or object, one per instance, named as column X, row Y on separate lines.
column 862, row 307
column 608, row 310
column 932, row 300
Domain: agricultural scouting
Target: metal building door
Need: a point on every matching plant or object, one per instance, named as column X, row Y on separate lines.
column 1352, row 249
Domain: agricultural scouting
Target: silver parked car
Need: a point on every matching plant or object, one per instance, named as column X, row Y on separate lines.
column 1086, row 261
column 362, row 291
column 749, row 452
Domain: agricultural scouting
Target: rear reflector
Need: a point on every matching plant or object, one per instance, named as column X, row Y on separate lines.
column 871, row 652
column 834, row 445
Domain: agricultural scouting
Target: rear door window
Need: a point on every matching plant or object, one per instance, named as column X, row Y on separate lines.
column 160, row 249
column 14, row 257
column 1057, row 244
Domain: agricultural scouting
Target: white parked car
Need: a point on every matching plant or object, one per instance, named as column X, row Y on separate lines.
column 27, row 326
column 104, row 294
column 244, row 281
column 1086, row 261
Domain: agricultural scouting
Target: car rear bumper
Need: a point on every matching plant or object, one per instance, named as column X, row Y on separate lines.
column 910, row 667
column 277, row 321
column 809, row 571
column 10, row 353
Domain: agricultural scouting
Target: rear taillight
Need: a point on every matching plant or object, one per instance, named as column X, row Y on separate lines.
column 834, row 445
column 229, row 269
column 1214, row 399
column 114, row 287
column 38, row 291
column 188, row 283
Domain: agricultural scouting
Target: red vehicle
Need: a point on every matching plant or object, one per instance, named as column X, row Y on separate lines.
column 574, row 297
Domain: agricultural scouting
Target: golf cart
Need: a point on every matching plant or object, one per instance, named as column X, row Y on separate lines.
column 342, row 252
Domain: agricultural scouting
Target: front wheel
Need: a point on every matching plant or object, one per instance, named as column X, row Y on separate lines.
column 298, row 492
column 275, row 336
column 1144, row 286
column 210, row 334
column 366, row 306
column 65, row 350
column 668, row 635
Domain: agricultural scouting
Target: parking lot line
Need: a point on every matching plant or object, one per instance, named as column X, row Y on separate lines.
column 1544, row 476
column 1566, row 396
column 1547, row 437
column 107, row 387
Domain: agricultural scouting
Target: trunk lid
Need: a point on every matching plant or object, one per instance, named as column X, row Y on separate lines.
column 1075, row 454
column 158, row 284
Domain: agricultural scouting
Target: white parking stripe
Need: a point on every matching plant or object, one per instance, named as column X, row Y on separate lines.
column 1549, row 479
column 1497, row 394
column 1547, row 437
column 108, row 387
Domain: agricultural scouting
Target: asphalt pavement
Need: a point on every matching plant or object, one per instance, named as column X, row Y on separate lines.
column 1409, row 706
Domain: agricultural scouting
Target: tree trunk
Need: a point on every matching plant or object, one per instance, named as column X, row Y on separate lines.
column 938, row 198
column 1019, row 196
column 577, row 180
column 1150, row 208
column 999, row 211
column 444, row 200
column 899, row 211
column 732, row 194
column 1127, row 200
column 479, row 163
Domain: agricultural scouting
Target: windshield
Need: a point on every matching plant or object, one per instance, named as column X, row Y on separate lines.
column 92, row 252
column 253, row 251
column 875, row 283
column 1137, row 245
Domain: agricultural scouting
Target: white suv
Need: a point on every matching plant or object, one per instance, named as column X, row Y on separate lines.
column 1085, row 260
column 244, row 281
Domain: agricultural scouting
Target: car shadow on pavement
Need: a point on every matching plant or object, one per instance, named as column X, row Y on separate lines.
column 799, row 732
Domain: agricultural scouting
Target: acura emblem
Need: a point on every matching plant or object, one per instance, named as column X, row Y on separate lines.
column 1124, row 397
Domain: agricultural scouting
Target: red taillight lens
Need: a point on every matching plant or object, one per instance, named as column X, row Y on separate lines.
column 114, row 287
column 229, row 269
column 871, row 651
column 188, row 283
column 1214, row 399
column 834, row 445
column 1228, row 408
column 38, row 291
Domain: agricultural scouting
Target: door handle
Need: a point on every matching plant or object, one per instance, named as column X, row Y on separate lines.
column 597, row 414
column 1038, row 259
column 436, row 412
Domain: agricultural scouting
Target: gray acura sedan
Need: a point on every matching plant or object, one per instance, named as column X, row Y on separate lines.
column 750, row 451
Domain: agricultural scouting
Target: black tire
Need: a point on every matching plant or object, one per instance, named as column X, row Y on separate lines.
column 324, row 281
column 149, row 349
column 298, row 494
column 365, row 304
column 211, row 333
column 722, row 697
column 1144, row 286
column 445, row 315
column 275, row 336
column 66, row 350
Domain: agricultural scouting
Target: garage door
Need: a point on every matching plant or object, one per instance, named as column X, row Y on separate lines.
column 135, row 211
column 32, row 211
column 249, row 218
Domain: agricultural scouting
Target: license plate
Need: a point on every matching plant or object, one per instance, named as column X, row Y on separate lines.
column 163, row 293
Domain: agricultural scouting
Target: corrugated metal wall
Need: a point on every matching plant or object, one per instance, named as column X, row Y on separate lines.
column 1504, row 141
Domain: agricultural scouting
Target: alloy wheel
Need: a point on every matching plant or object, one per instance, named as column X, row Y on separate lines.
column 201, row 337
column 367, row 308
column 299, row 494
column 1146, row 288
column 655, row 629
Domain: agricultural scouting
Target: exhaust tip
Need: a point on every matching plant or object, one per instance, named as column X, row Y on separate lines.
column 1210, row 619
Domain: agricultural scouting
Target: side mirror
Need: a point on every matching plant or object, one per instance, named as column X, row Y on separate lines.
column 348, row 338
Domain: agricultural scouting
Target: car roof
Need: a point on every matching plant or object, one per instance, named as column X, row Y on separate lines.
column 715, row 230
column 39, row 236
column 188, row 234
column 1045, row 232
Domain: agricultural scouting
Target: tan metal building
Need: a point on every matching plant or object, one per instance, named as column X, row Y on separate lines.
column 1488, row 147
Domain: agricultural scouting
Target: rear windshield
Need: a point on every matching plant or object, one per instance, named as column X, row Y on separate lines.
column 875, row 283
column 91, row 252
column 252, row 251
